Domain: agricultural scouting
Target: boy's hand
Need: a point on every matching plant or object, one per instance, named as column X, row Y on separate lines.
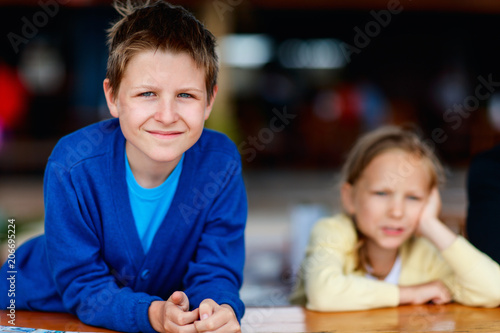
column 173, row 315
column 216, row 318
column 434, row 291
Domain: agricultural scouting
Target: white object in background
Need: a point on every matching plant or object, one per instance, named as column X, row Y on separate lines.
column 303, row 217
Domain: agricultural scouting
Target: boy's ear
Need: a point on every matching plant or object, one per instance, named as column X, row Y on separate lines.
column 210, row 104
column 347, row 194
column 110, row 98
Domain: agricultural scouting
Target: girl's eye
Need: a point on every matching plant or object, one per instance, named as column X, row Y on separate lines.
column 147, row 94
column 380, row 193
column 414, row 197
column 185, row 95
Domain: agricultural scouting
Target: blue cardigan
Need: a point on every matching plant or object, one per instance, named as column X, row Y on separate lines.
column 90, row 261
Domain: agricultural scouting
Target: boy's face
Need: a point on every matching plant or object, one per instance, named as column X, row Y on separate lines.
column 162, row 106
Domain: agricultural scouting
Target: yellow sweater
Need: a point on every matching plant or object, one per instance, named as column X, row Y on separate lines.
column 328, row 280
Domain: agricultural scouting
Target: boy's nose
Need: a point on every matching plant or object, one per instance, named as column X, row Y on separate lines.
column 166, row 113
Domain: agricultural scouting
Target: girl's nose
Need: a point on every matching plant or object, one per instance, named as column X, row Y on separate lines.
column 396, row 208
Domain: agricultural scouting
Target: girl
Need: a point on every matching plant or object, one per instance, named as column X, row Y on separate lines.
column 389, row 247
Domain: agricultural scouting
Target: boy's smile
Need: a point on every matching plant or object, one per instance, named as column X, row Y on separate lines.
column 162, row 106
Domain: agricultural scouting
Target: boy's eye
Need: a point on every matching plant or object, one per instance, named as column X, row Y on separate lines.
column 185, row 95
column 414, row 197
column 380, row 193
column 147, row 94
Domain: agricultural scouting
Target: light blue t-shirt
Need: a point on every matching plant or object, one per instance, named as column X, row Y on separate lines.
column 150, row 205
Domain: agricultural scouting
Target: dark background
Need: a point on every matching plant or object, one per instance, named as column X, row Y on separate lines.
column 427, row 59
column 417, row 70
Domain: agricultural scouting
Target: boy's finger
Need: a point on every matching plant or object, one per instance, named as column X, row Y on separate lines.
column 220, row 320
column 206, row 308
column 186, row 318
column 180, row 317
column 177, row 297
column 180, row 299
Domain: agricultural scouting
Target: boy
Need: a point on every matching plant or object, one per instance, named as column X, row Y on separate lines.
column 149, row 206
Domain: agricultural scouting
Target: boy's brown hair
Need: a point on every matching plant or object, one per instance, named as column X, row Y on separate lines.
column 158, row 25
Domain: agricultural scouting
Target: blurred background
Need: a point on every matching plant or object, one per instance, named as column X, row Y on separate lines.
column 299, row 82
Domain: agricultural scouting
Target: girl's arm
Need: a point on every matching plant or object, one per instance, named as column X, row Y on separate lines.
column 434, row 291
column 475, row 278
column 330, row 283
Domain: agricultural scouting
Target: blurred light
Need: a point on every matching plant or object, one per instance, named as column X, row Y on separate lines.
column 494, row 111
column 246, row 51
column 312, row 53
column 326, row 105
column 42, row 68
column 450, row 88
column 13, row 96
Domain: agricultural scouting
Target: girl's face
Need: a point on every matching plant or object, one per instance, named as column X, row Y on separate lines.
column 388, row 198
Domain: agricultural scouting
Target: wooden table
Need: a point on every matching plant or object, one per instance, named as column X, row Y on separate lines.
column 418, row 318
column 415, row 318
column 49, row 321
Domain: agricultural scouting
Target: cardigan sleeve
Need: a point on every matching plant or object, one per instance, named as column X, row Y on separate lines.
column 82, row 278
column 476, row 278
column 216, row 272
column 329, row 284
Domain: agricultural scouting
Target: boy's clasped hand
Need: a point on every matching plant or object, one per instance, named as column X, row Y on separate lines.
column 173, row 315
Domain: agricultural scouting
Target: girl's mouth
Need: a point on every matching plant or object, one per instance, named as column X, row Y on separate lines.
column 393, row 231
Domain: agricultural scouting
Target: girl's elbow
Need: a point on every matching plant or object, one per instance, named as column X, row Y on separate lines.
column 320, row 300
column 492, row 298
column 489, row 300
column 319, row 303
column 487, row 303
column 324, row 302
column 495, row 302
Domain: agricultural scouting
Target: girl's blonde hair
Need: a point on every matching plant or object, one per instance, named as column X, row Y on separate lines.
column 386, row 138
column 377, row 142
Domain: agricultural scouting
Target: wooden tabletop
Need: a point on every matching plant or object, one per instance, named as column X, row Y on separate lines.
column 416, row 318
column 48, row 321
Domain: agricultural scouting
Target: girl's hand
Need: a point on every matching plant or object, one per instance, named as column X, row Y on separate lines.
column 173, row 315
column 434, row 291
column 430, row 212
column 430, row 227
column 216, row 318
